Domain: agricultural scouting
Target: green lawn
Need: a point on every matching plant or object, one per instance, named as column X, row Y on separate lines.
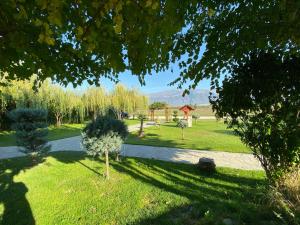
column 68, row 188
column 205, row 135
column 64, row 131
column 132, row 122
column 67, row 130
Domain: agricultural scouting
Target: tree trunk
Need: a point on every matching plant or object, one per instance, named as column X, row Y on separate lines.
column 120, row 116
column 118, row 157
column 141, row 133
column 94, row 116
column 58, row 120
column 107, row 165
column 152, row 115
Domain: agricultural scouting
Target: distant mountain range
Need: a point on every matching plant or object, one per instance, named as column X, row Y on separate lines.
column 174, row 97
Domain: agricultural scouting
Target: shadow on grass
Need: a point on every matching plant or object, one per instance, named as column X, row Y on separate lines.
column 221, row 194
column 64, row 131
column 172, row 124
column 152, row 139
column 7, row 138
column 211, row 197
column 91, row 169
column 227, row 132
column 208, row 198
column 13, row 194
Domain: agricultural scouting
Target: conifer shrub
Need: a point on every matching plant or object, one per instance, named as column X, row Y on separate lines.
column 31, row 130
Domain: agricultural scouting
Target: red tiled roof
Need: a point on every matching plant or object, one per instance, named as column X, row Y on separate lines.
column 186, row 107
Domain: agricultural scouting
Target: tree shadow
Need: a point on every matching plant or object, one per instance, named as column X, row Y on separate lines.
column 7, row 138
column 226, row 132
column 230, row 195
column 76, row 157
column 91, row 169
column 17, row 209
column 210, row 197
column 170, row 125
column 152, row 139
column 62, row 132
column 196, row 214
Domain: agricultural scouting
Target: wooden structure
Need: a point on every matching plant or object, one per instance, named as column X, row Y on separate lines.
column 186, row 109
column 151, row 115
column 167, row 114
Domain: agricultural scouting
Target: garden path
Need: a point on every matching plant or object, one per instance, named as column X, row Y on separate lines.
column 222, row 159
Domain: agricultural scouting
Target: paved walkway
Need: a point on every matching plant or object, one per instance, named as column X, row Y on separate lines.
column 222, row 159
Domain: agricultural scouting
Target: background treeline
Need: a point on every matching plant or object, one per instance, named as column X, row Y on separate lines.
column 67, row 106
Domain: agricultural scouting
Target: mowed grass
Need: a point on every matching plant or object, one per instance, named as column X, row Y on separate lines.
column 7, row 138
column 130, row 122
column 68, row 188
column 204, row 135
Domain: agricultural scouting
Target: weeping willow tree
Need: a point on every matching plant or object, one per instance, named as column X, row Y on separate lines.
column 79, row 109
column 95, row 101
column 138, row 102
column 71, row 105
column 75, row 108
column 67, row 105
column 127, row 100
column 20, row 94
column 59, row 104
column 120, row 100
column 42, row 100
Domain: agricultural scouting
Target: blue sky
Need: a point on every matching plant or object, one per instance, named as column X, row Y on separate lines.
column 154, row 83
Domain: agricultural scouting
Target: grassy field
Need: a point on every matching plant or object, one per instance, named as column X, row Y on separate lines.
column 7, row 138
column 68, row 188
column 64, row 131
column 132, row 122
column 205, row 135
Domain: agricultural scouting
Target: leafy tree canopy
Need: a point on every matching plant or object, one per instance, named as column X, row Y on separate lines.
column 72, row 41
column 261, row 101
column 157, row 105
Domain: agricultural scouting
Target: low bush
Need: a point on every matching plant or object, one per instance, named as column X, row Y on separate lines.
column 195, row 117
column 182, row 124
column 175, row 116
column 283, row 198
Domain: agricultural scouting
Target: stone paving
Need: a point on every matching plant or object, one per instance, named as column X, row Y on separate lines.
column 222, row 159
